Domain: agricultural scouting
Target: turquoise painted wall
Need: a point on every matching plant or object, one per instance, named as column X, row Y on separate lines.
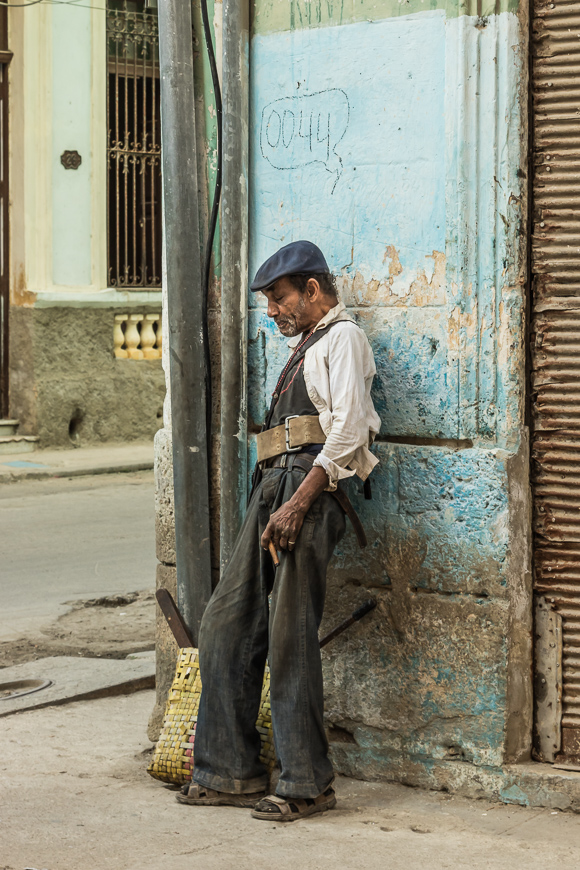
column 71, row 131
column 395, row 143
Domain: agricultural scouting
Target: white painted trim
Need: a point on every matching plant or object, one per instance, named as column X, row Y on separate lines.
column 483, row 120
column 31, row 162
column 37, row 60
column 78, row 297
column 99, row 146
column 16, row 172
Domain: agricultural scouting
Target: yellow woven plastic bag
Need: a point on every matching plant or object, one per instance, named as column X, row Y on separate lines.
column 173, row 756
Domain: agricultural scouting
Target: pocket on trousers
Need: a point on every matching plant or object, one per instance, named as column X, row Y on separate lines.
column 315, row 512
column 270, row 484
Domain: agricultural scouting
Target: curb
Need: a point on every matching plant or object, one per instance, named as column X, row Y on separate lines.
column 45, row 474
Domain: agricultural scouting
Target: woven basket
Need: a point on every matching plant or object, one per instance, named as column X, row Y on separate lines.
column 173, row 757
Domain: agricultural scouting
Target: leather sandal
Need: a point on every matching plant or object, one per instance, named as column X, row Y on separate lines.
column 199, row 796
column 280, row 809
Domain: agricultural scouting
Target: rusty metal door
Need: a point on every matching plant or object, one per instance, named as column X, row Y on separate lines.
column 555, row 387
column 4, row 237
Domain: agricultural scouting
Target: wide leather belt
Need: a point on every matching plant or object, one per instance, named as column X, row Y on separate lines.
column 302, row 461
column 296, row 433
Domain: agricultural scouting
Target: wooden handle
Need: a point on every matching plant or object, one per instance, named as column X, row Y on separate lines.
column 358, row 614
column 273, row 554
column 174, row 618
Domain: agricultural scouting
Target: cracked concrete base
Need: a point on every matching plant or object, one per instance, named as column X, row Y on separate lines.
column 76, row 679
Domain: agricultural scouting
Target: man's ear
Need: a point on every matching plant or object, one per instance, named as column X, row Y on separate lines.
column 313, row 289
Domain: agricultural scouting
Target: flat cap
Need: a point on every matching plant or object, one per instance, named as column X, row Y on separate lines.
column 302, row 257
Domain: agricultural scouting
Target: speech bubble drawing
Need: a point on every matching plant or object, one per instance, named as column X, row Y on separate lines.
column 300, row 130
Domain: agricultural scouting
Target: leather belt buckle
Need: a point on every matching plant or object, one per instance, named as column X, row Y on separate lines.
column 287, row 431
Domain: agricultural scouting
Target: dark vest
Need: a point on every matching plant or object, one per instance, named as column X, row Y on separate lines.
column 291, row 396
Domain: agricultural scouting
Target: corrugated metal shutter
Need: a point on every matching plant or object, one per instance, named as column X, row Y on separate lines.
column 556, row 336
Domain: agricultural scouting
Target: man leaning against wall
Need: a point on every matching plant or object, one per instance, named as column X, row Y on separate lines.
column 316, row 437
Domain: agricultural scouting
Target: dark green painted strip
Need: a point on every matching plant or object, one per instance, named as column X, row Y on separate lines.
column 271, row 16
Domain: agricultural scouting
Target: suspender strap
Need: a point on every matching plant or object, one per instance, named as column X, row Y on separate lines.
column 294, row 360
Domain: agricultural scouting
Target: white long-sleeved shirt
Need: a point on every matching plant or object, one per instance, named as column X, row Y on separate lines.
column 339, row 371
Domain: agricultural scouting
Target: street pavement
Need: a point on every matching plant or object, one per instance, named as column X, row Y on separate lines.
column 66, row 539
column 74, row 791
column 75, row 794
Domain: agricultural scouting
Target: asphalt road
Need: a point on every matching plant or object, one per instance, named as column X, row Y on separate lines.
column 68, row 539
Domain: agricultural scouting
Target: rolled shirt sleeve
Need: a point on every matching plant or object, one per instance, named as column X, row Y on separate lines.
column 349, row 385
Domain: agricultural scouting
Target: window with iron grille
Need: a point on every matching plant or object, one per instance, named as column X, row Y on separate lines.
column 133, row 147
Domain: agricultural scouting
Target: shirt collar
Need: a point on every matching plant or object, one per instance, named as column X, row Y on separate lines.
column 333, row 314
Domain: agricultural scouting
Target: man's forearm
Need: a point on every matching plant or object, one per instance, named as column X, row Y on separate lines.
column 311, row 487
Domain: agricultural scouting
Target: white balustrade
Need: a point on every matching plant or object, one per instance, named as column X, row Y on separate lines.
column 137, row 336
column 148, row 337
column 119, row 336
column 133, row 336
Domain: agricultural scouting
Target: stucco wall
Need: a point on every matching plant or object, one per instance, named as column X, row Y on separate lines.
column 398, row 144
column 62, row 368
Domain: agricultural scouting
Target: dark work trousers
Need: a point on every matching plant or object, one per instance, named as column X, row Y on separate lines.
column 240, row 628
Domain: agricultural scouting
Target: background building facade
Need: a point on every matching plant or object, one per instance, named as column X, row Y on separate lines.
column 395, row 137
column 84, row 223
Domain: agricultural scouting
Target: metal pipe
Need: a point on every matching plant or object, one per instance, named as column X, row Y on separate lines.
column 234, row 305
column 185, row 305
column 215, row 204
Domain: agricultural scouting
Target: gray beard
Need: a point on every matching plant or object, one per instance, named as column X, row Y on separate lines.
column 290, row 325
column 288, row 329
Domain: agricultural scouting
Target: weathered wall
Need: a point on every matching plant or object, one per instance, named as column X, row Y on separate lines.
column 398, row 144
column 62, row 368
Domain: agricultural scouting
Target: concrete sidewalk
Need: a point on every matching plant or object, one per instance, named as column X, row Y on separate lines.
column 75, row 462
column 75, row 794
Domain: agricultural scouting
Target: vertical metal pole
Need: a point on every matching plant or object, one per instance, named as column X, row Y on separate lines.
column 234, row 306
column 184, row 299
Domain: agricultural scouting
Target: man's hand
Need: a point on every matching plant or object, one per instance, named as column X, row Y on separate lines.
column 283, row 528
column 285, row 524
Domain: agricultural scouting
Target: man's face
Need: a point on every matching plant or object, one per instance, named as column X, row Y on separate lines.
column 289, row 308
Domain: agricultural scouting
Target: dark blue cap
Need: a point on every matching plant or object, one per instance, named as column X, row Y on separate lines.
column 297, row 258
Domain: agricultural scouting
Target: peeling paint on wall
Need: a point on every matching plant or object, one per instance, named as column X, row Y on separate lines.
column 415, row 197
